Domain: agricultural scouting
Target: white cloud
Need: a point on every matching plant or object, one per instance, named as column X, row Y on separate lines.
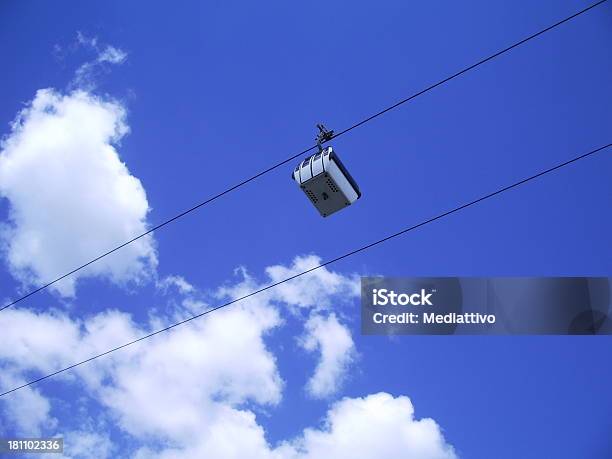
column 40, row 341
column 112, row 55
column 28, row 412
column 316, row 289
column 312, row 293
column 179, row 386
column 335, row 344
column 71, row 198
column 378, row 425
column 83, row 444
column 196, row 391
column 104, row 56
column 372, row 427
column 177, row 282
column 85, row 40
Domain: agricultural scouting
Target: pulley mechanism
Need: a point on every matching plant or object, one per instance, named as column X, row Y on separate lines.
column 323, row 136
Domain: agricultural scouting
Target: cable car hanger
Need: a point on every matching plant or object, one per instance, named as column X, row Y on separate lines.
column 323, row 136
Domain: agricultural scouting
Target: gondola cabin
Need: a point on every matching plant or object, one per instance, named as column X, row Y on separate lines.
column 326, row 182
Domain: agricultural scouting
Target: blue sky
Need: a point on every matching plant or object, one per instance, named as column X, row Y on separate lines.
column 216, row 91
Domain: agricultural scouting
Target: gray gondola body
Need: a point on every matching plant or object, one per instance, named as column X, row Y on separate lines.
column 326, row 182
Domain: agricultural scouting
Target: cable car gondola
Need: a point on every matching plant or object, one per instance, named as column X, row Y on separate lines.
column 324, row 179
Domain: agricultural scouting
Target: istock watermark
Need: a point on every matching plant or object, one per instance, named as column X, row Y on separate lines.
column 383, row 297
column 485, row 306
